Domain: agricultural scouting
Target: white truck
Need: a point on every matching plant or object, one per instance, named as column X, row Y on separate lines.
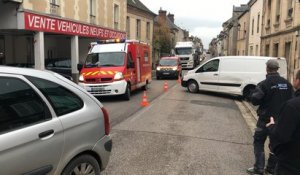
column 187, row 53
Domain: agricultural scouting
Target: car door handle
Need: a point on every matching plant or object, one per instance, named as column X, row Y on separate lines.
column 216, row 74
column 46, row 133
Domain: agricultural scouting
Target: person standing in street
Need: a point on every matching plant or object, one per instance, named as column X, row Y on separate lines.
column 270, row 94
column 285, row 134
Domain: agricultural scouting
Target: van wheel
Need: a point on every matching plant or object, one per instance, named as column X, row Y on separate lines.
column 248, row 92
column 84, row 164
column 126, row 95
column 193, row 86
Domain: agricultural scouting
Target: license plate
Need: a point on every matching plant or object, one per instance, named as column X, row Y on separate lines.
column 97, row 89
column 166, row 73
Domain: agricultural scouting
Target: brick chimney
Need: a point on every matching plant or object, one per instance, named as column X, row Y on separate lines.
column 162, row 13
column 171, row 17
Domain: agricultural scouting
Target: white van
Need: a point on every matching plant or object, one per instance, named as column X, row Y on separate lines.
column 237, row 75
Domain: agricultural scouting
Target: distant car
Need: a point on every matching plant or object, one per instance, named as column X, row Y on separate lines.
column 61, row 66
column 50, row 125
column 168, row 67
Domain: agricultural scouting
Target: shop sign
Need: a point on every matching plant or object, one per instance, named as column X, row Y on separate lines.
column 47, row 24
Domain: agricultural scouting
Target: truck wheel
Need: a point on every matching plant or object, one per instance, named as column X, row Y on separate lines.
column 193, row 86
column 126, row 95
column 84, row 164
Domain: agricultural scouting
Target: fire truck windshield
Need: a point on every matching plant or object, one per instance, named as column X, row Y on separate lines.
column 105, row 59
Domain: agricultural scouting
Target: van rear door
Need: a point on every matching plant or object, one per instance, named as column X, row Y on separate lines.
column 207, row 75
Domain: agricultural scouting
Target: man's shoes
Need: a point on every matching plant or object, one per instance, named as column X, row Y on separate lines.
column 255, row 171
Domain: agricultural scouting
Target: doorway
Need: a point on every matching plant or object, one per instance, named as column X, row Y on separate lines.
column 2, row 50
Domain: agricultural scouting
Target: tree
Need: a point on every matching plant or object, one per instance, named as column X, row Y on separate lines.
column 162, row 38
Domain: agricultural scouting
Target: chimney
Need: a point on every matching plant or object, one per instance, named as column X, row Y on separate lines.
column 162, row 13
column 171, row 17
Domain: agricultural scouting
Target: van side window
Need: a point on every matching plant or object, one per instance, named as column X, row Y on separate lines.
column 62, row 100
column 129, row 61
column 20, row 105
column 146, row 56
column 211, row 66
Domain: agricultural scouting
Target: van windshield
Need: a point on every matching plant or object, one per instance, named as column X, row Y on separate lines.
column 168, row 62
column 183, row 51
column 105, row 59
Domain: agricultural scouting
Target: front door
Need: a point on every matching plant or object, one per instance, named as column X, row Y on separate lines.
column 207, row 76
column 31, row 140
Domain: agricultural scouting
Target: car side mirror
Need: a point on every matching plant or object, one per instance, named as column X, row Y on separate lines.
column 79, row 67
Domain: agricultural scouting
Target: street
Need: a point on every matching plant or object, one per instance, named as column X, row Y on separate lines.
column 179, row 133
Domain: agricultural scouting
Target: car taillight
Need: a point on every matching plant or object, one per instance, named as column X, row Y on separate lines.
column 106, row 121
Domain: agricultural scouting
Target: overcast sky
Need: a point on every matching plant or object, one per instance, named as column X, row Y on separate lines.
column 202, row 18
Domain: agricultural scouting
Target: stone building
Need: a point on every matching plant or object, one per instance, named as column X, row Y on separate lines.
column 34, row 30
column 255, row 27
column 243, row 33
column 280, row 32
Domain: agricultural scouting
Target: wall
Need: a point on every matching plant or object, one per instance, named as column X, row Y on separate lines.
column 254, row 39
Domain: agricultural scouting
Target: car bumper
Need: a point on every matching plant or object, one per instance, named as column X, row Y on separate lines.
column 105, row 89
column 103, row 148
column 169, row 73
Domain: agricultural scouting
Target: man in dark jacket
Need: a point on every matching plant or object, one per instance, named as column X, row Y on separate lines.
column 285, row 135
column 270, row 94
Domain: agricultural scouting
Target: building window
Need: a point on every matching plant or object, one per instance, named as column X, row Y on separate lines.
column 277, row 11
column 92, row 11
column 267, row 50
column 128, row 27
column 116, row 16
column 54, row 7
column 252, row 30
column 275, row 50
column 258, row 20
column 290, row 9
column 138, row 29
column 148, row 30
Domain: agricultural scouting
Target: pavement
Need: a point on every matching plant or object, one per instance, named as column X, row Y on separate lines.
column 183, row 133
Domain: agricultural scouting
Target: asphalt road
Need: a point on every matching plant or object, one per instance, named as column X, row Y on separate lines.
column 179, row 133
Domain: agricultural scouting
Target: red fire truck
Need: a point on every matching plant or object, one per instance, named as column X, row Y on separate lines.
column 116, row 67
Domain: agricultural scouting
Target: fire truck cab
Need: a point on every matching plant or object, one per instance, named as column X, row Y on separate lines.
column 116, row 67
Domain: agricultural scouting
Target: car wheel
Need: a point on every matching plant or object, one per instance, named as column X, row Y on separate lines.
column 157, row 77
column 82, row 165
column 193, row 86
column 126, row 95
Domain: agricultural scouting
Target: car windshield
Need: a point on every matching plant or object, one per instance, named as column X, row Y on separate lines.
column 183, row 51
column 105, row 59
column 168, row 62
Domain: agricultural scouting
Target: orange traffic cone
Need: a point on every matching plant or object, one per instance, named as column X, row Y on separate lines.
column 144, row 100
column 166, row 87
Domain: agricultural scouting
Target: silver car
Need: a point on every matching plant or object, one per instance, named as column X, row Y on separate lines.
column 49, row 125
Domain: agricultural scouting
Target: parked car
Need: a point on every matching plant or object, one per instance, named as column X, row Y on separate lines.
column 50, row 125
column 168, row 67
column 61, row 66
column 237, row 75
